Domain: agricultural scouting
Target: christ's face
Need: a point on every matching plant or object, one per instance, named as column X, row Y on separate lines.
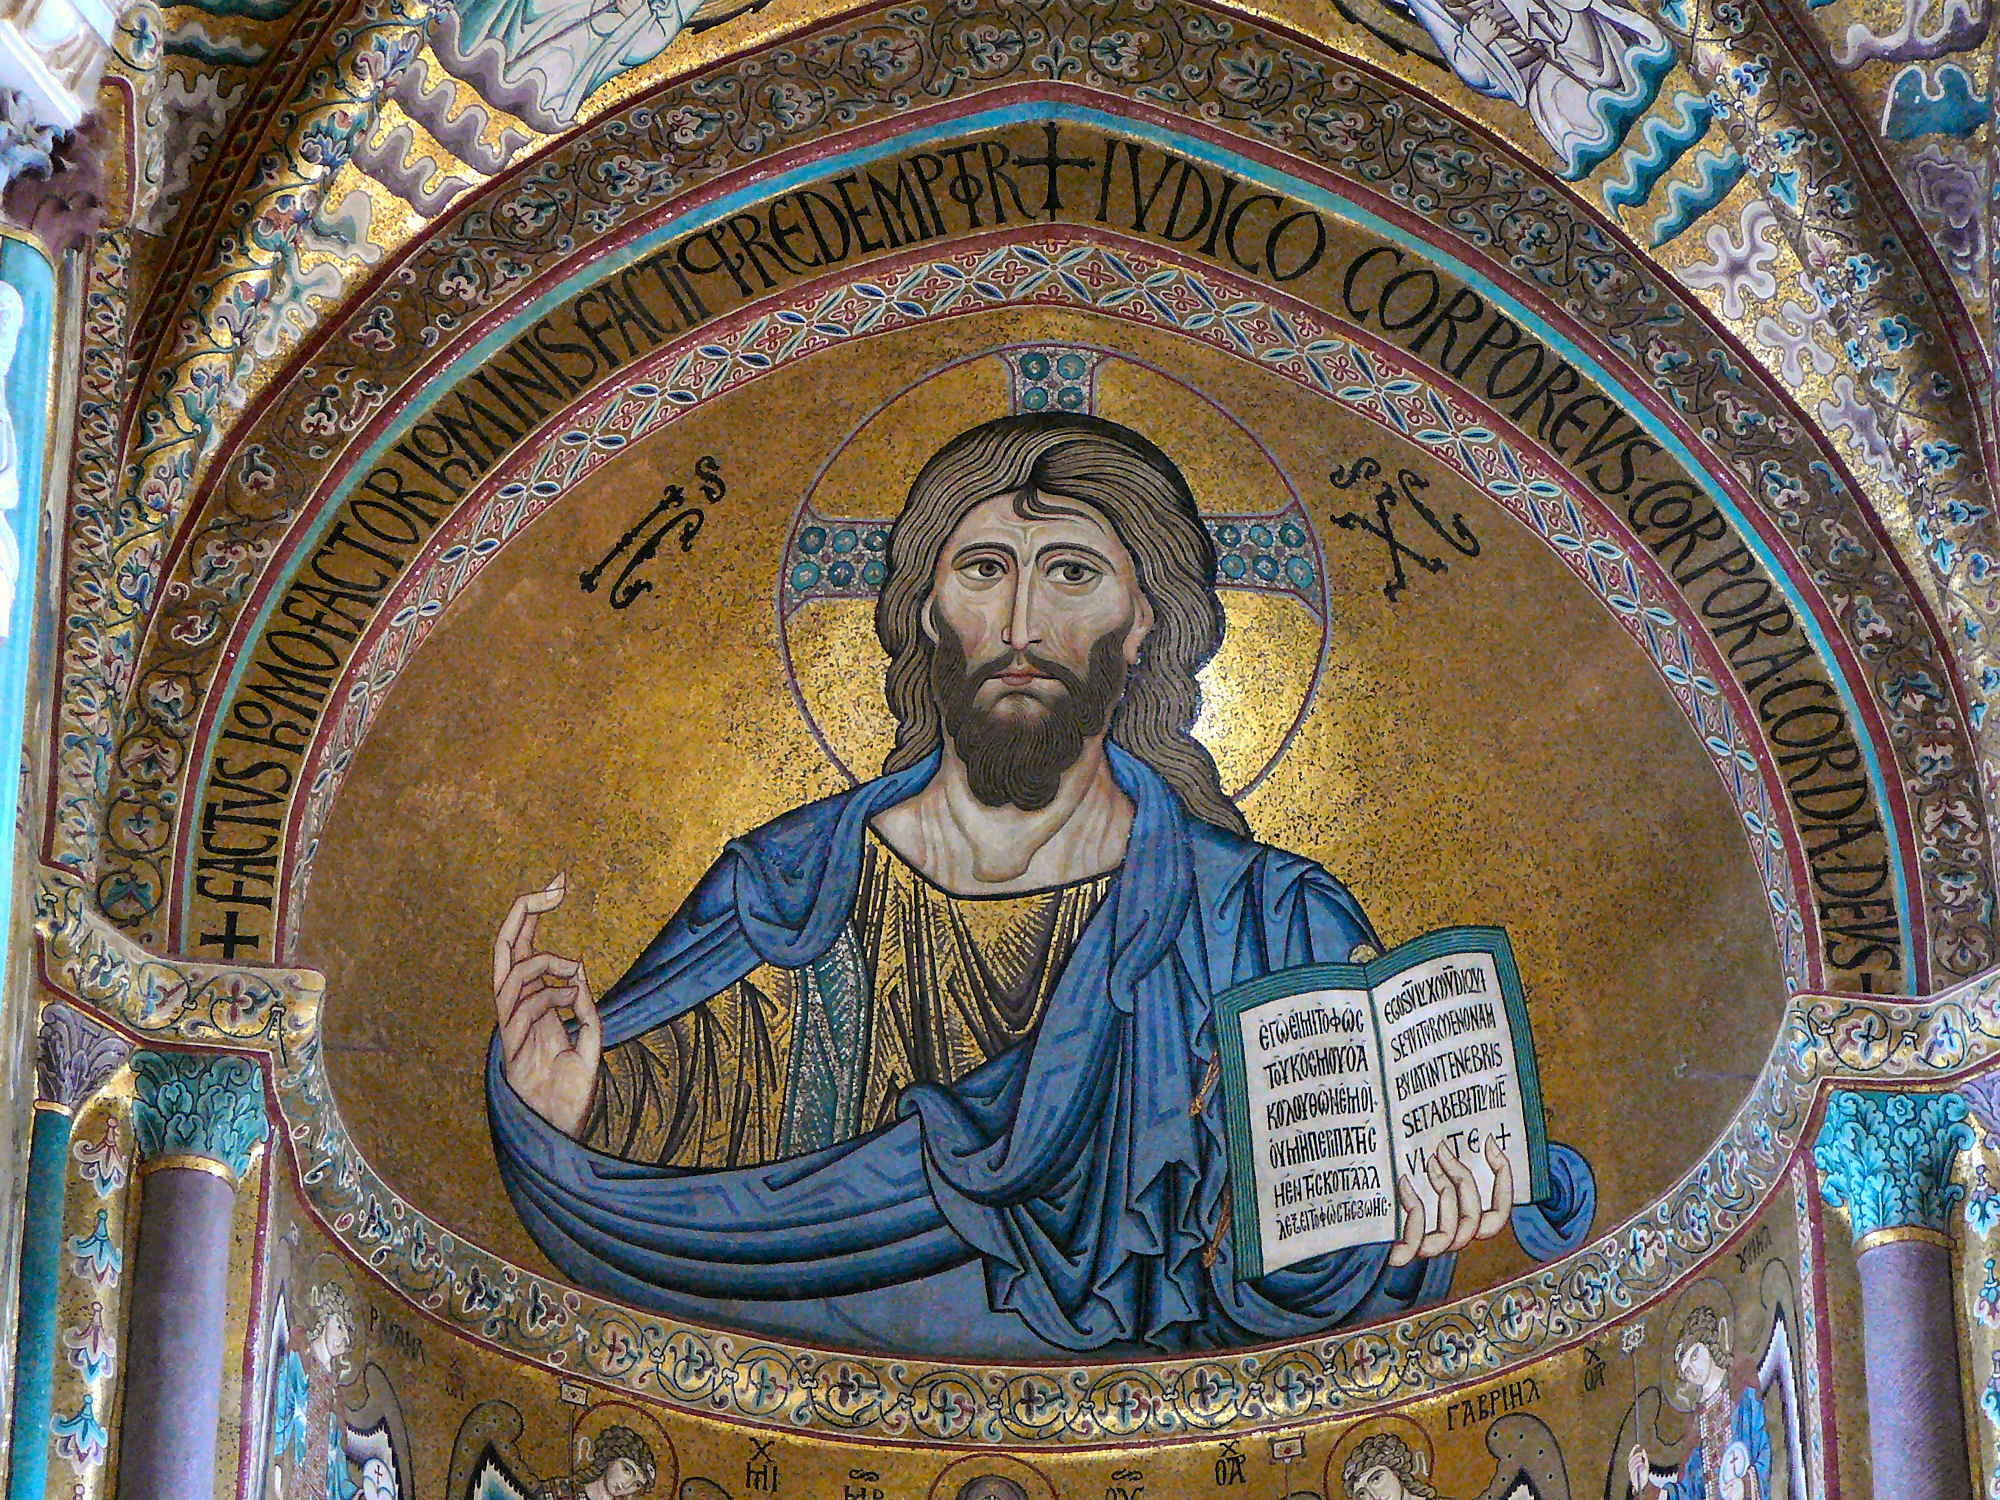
column 1018, row 591
column 1036, row 621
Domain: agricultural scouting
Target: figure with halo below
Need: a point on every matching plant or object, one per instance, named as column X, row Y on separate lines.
column 928, row 1066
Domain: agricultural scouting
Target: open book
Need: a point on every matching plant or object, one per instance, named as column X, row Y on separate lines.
column 1340, row 1080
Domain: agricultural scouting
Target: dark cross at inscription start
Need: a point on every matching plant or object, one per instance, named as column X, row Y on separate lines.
column 1052, row 161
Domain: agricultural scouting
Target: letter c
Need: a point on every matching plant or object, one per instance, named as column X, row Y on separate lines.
column 1360, row 314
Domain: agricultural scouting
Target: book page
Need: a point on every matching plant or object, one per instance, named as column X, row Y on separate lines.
column 1318, row 1131
column 1448, row 1054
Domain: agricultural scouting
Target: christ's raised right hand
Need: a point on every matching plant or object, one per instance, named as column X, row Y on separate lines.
column 551, row 1066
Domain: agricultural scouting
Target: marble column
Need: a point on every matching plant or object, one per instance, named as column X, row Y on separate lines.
column 197, row 1117
column 1887, row 1157
column 74, row 1056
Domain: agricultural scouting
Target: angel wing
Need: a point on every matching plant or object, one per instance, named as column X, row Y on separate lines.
column 1395, row 24
column 494, row 1479
column 1775, row 1368
column 374, row 1439
column 1528, row 1461
column 484, row 1462
column 371, row 1452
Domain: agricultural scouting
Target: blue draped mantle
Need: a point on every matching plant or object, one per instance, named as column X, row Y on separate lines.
column 1067, row 1173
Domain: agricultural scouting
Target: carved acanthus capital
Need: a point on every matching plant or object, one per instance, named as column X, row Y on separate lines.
column 1887, row 1158
column 192, row 1107
column 74, row 1056
column 1982, row 1097
column 62, row 203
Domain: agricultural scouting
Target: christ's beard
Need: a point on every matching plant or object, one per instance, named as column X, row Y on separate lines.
column 1021, row 763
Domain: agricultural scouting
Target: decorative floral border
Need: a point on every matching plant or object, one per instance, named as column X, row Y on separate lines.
column 170, row 999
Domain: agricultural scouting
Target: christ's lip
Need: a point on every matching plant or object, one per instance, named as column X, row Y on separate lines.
column 1020, row 676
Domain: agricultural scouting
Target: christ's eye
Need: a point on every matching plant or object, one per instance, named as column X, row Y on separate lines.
column 1073, row 572
column 986, row 569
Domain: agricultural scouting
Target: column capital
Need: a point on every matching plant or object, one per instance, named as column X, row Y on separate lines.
column 198, row 1107
column 1887, row 1158
column 74, row 1056
column 1982, row 1097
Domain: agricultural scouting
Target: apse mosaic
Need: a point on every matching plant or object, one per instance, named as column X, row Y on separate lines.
column 1301, row 660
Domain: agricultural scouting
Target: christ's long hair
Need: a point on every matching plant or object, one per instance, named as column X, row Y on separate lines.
column 1050, row 462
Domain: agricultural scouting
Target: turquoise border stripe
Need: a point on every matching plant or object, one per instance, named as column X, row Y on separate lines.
column 28, row 383
column 41, row 1281
column 1247, row 170
column 27, row 396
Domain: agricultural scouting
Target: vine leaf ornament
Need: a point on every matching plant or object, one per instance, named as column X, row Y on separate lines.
column 75, row 1056
column 1887, row 1157
column 200, row 1104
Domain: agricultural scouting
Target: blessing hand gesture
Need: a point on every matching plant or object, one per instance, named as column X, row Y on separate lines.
column 550, row 1065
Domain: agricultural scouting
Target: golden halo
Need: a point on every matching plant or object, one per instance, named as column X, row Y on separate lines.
column 1707, row 1292
column 666, row 1462
column 1402, row 1427
column 955, row 1477
column 1256, row 690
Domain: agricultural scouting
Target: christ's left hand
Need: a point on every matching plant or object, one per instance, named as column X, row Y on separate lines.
column 1461, row 1217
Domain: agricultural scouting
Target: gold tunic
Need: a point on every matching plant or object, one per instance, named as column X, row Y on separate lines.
column 957, row 980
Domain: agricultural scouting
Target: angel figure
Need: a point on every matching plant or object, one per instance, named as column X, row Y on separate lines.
column 1731, row 1457
column 1396, row 1462
column 341, row 1440
column 1384, row 1467
column 615, row 1453
column 617, row 1466
column 1583, row 69
column 540, row 59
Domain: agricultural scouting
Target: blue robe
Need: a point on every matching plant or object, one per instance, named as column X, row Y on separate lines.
column 1748, row 1427
column 1058, row 1198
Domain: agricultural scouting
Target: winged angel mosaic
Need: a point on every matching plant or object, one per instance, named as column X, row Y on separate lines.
column 1583, row 69
column 930, row 1065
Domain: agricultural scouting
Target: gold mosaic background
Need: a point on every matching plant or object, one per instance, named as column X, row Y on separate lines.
column 1490, row 748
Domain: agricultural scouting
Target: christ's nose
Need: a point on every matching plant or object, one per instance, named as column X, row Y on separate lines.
column 1023, row 613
